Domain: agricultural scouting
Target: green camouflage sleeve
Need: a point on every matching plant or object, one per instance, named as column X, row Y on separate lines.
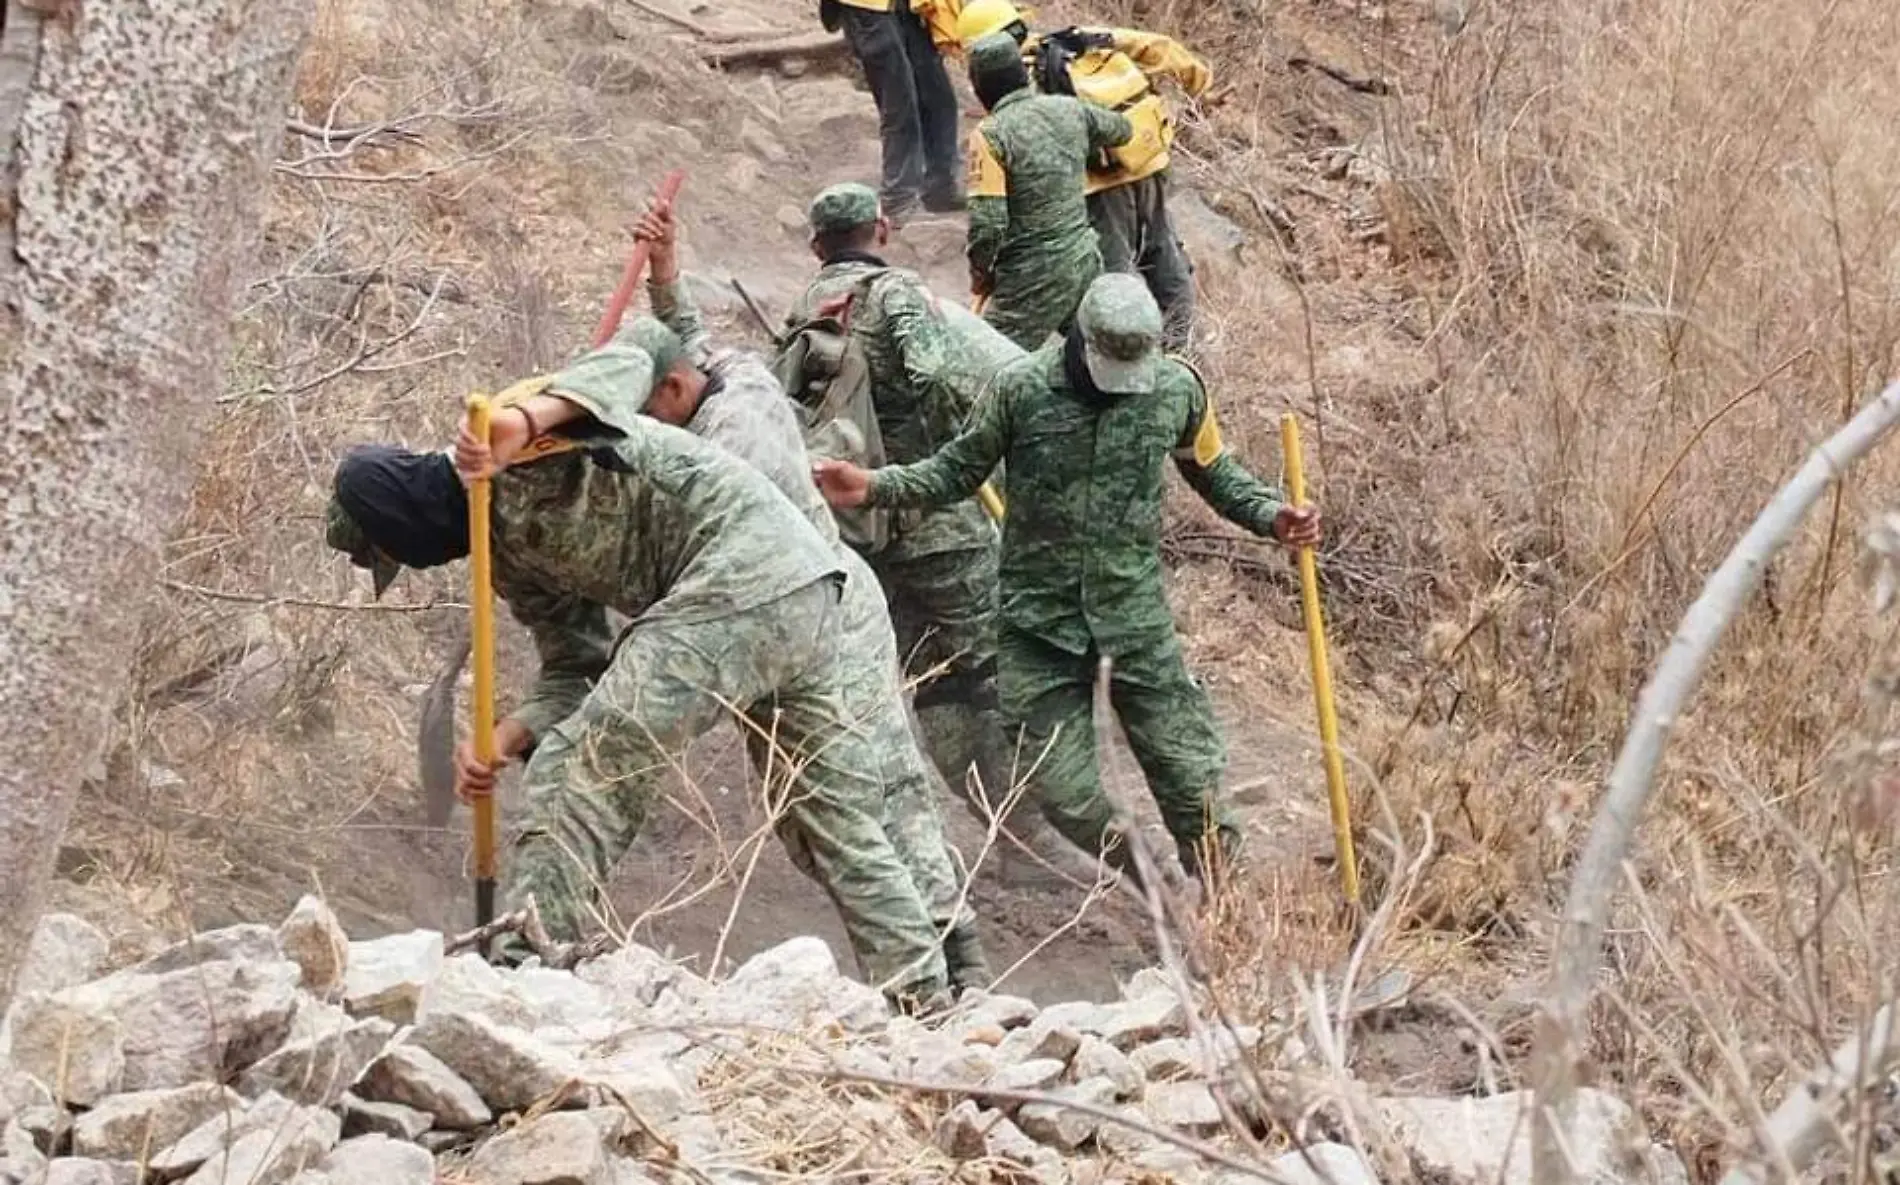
column 574, row 643
column 1220, row 480
column 955, row 471
column 1107, row 129
column 928, row 352
column 673, row 306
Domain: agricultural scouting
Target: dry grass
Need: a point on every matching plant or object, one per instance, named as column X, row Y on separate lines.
column 1559, row 315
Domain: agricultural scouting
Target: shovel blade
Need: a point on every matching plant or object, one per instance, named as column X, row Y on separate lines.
column 435, row 738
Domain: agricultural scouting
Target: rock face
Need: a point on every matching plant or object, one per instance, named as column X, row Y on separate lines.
column 233, row 944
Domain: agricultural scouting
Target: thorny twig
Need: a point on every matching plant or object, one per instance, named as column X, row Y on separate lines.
column 525, row 923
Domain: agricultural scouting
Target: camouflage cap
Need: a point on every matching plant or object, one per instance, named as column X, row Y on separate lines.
column 342, row 532
column 611, row 384
column 1121, row 334
column 994, row 52
column 663, row 347
column 842, row 207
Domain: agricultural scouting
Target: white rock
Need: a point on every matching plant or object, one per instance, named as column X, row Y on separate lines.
column 794, row 985
column 648, row 1083
column 248, row 943
column 362, row 1117
column 564, row 1148
column 134, row 1126
column 979, row 1008
column 1188, row 1106
column 1143, row 1020
column 56, row 1040
column 19, row 1092
column 1169, row 1058
column 1149, row 981
column 961, row 1133
column 1035, row 1074
column 1048, row 1036
column 1468, row 1140
column 510, row 1069
column 218, row 1132
column 316, row 1018
column 19, row 1154
column 558, row 998
column 378, row 1160
column 417, row 1078
column 317, row 1070
column 202, row 1023
column 80, row 1171
column 635, row 976
column 273, row 1154
column 1096, row 1058
column 469, row 983
column 65, row 951
column 1065, row 1128
column 959, row 1064
column 313, row 939
column 1324, row 1164
column 392, row 977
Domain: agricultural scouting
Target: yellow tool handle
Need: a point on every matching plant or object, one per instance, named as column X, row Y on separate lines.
column 1322, row 673
column 991, row 500
column 482, row 645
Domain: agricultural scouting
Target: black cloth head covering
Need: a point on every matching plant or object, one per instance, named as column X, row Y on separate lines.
column 996, row 69
column 411, row 506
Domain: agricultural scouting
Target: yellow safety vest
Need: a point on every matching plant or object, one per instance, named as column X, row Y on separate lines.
column 1110, row 78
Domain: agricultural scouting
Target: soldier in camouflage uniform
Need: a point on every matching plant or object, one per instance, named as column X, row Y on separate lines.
column 735, row 601
column 1128, row 188
column 928, row 362
column 1084, row 425
column 1032, row 251
column 733, row 399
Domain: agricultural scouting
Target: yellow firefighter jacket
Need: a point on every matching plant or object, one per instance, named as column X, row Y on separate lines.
column 939, row 16
column 1119, row 76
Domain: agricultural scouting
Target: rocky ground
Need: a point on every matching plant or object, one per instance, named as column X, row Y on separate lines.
column 293, row 1055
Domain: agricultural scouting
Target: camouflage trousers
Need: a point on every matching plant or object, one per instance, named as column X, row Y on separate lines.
column 943, row 606
column 1049, row 694
column 784, row 667
column 1137, row 237
column 1036, row 293
column 875, row 700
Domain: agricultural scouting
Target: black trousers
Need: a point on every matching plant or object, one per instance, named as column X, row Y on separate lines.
column 916, row 106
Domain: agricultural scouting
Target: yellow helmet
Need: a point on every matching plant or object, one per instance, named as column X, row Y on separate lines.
column 980, row 18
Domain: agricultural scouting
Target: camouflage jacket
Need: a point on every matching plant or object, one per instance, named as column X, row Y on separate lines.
column 655, row 524
column 928, row 361
column 1043, row 144
column 1081, row 564
column 745, row 411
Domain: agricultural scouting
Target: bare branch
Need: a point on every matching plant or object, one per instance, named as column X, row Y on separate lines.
column 1799, row 1128
column 271, row 602
column 756, row 53
column 1559, row 1048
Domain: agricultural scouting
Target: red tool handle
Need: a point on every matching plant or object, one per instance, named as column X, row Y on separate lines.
column 636, row 264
